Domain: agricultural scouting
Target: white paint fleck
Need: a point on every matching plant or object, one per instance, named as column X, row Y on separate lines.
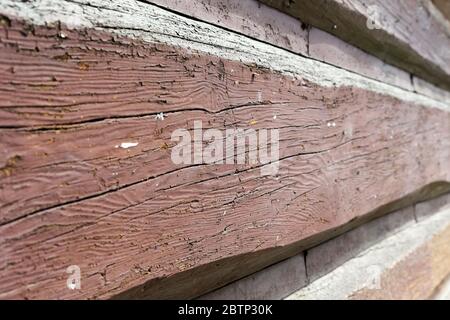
column 275, row 117
column 160, row 116
column 259, row 96
column 126, row 145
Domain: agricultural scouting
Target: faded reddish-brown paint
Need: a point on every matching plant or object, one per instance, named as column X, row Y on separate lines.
column 135, row 222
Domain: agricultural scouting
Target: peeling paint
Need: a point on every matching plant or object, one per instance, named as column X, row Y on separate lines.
column 126, row 145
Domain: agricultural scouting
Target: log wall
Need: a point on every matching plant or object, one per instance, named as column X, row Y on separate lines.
column 81, row 79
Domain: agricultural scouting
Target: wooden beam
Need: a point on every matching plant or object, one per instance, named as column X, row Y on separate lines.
column 130, row 215
column 401, row 33
column 409, row 265
column 401, row 255
column 139, row 225
column 259, row 21
column 250, row 18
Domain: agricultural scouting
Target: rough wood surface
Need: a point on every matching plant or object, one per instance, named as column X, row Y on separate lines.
column 328, row 256
column 248, row 17
column 410, row 264
column 416, row 276
column 256, row 20
column 406, row 35
column 143, row 21
column 380, row 259
column 272, row 283
column 326, row 47
column 291, row 275
column 130, row 217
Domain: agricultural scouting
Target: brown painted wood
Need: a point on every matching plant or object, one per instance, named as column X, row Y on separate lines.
column 140, row 226
column 444, row 7
column 408, row 36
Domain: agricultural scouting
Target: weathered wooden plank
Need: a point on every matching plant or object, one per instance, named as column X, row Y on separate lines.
column 416, row 276
column 147, row 22
column 424, row 209
column 328, row 256
column 411, row 264
column 129, row 217
column 249, row 17
column 402, row 33
column 184, row 87
column 429, row 90
column 328, row 48
column 264, row 23
column 289, row 276
column 394, row 256
column 273, row 283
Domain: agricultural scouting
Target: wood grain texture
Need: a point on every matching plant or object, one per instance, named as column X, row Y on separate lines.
column 130, row 218
column 381, row 259
column 250, row 18
column 152, row 24
column 291, row 275
column 407, row 35
column 256, row 20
